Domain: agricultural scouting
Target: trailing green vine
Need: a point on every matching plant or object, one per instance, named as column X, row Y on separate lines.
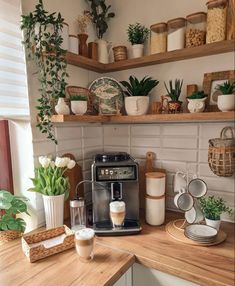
column 42, row 40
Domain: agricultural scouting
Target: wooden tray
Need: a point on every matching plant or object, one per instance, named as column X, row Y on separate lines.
column 174, row 230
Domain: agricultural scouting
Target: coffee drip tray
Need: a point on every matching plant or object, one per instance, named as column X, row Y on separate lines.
column 105, row 228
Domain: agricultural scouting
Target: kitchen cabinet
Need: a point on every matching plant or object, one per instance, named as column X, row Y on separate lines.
column 126, row 279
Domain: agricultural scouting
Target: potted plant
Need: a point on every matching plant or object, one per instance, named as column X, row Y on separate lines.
column 213, row 208
column 137, row 35
column 100, row 15
column 50, row 181
column 226, row 101
column 196, row 101
column 78, row 104
column 174, row 92
column 43, row 43
column 11, row 227
column 137, row 100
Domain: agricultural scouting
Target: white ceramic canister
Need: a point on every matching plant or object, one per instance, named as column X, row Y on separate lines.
column 65, row 36
column 155, row 184
column 73, row 44
column 176, row 34
column 155, row 210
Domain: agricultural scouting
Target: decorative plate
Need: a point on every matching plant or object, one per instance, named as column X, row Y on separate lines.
column 108, row 95
column 201, row 231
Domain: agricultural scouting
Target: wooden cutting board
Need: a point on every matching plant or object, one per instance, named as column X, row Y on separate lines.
column 147, row 167
column 231, row 20
column 75, row 176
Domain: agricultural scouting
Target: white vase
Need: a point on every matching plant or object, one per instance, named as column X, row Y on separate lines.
column 136, row 105
column 213, row 223
column 226, row 102
column 196, row 105
column 78, row 107
column 137, row 50
column 61, row 107
column 104, row 49
column 54, row 210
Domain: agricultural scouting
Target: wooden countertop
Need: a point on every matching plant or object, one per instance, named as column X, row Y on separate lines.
column 153, row 248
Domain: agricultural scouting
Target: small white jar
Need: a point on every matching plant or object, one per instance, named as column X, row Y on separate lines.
column 155, row 184
column 137, row 50
column 226, row 102
column 73, row 44
column 155, row 210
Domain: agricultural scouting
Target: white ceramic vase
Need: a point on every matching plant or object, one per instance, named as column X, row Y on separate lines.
column 61, row 107
column 136, row 105
column 54, row 210
column 137, row 50
column 226, row 102
column 79, row 107
column 104, row 49
column 196, row 105
column 213, row 223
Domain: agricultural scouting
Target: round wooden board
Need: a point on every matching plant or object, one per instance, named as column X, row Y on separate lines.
column 178, row 234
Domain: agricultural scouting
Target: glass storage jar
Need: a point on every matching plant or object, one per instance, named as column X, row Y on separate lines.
column 196, row 29
column 216, row 20
column 176, row 34
column 77, row 214
column 158, row 38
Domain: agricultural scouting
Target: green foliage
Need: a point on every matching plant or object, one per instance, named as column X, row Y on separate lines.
column 197, row 95
column 42, row 40
column 100, row 15
column 226, row 88
column 174, row 92
column 139, row 88
column 137, row 34
column 78, row 97
column 12, row 205
column 213, row 207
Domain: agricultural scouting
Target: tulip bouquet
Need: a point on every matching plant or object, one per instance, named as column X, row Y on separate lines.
column 49, row 177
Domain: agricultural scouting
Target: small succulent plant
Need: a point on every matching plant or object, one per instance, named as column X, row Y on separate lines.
column 197, row 95
column 174, row 92
column 137, row 33
column 226, row 88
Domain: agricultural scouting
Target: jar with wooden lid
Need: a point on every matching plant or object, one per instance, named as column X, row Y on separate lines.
column 216, row 20
column 196, row 29
column 176, row 34
column 158, row 38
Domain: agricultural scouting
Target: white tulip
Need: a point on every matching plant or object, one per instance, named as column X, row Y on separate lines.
column 44, row 161
column 61, row 162
column 71, row 164
column 52, row 164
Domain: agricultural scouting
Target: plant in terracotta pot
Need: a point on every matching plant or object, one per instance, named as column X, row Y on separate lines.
column 212, row 208
column 137, row 35
column 196, row 101
column 78, row 104
column 137, row 91
column 83, row 22
column 226, row 101
column 174, row 92
column 11, row 227
column 51, row 182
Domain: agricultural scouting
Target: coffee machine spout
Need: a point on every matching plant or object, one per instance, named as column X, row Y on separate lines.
column 86, row 182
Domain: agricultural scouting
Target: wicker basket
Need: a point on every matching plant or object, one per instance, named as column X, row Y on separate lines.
column 221, row 154
column 8, row 235
column 120, row 53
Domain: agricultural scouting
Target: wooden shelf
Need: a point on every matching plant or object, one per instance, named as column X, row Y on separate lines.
column 149, row 118
column 178, row 55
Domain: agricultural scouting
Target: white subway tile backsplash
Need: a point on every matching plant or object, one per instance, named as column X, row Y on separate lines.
column 140, row 153
column 220, row 184
column 116, row 130
column 145, row 130
column 174, row 166
column 92, row 132
column 212, row 130
column 77, row 153
column 116, row 149
column 177, row 142
column 44, row 148
column 180, row 130
column 178, row 155
column 203, row 156
column 66, row 145
column 68, row 133
column 145, row 142
column 89, row 153
column 116, row 141
column 92, row 142
column 87, row 165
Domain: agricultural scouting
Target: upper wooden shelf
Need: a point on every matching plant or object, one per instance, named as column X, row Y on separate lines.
column 177, row 55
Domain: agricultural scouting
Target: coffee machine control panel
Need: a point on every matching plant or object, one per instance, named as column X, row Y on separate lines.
column 122, row 173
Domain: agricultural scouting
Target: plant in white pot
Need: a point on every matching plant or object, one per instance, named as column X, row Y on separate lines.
column 196, row 101
column 212, row 208
column 137, row 91
column 226, row 101
column 137, row 35
column 54, row 186
column 78, row 104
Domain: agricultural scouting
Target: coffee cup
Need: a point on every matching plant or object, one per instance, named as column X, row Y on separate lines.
column 195, row 214
column 183, row 200
column 117, row 213
column 197, row 188
column 84, row 243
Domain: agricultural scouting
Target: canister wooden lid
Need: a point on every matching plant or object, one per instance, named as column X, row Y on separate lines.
column 197, row 17
column 155, row 198
column 176, row 23
column 216, row 3
column 159, row 27
column 155, row 175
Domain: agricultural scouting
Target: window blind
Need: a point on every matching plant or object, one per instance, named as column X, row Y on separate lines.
column 13, row 79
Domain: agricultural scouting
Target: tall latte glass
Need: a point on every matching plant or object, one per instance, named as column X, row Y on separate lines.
column 117, row 213
column 84, row 242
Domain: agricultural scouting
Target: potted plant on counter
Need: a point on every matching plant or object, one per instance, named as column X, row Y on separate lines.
column 137, row 35
column 196, row 101
column 11, row 227
column 51, row 182
column 174, row 105
column 78, row 104
column 136, row 99
column 226, row 101
column 213, row 208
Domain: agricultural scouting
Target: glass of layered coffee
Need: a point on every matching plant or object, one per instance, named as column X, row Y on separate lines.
column 117, row 213
column 84, row 243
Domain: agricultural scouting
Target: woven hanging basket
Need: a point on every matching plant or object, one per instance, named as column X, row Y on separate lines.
column 8, row 235
column 221, row 154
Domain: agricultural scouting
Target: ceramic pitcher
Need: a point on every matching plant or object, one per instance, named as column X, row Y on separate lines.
column 104, row 49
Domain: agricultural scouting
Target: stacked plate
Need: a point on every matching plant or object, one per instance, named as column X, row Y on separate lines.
column 200, row 233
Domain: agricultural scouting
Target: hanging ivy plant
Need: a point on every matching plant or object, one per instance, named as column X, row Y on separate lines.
column 42, row 40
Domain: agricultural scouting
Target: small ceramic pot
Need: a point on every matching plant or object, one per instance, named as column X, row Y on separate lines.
column 213, row 223
column 79, row 107
column 61, row 107
column 174, row 106
column 196, row 105
column 226, row 102
column 137, row 50
column 137, row 105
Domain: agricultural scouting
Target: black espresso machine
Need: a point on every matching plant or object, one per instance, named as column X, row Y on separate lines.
column 115, row 178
